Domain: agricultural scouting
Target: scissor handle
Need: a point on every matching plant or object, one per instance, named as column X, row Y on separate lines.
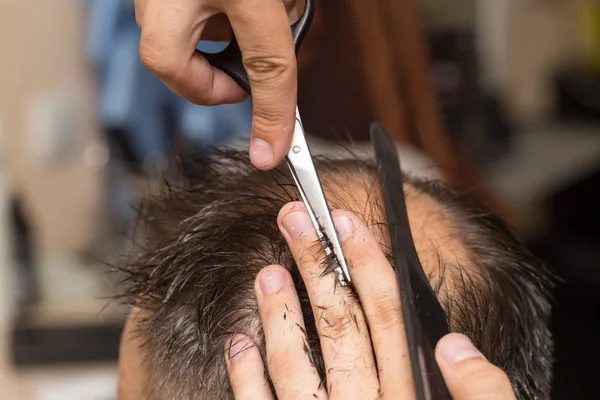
column 229, row 60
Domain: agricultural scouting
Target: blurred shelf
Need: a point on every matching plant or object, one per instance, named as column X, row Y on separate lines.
column 544, row 160
column 76, row 320
column 36, row 345
column 72, row 382
column 62, row 333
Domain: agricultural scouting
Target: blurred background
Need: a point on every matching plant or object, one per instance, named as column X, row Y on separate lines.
column 504, row 96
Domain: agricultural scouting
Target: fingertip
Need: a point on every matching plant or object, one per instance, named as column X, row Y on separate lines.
column 237, row 95
column 269, row 146
column 345, row 223
column 289, row 208
column 245, row 368
column 295, row 223
column 261, row 154
column 468, row 374
column 350, row 227
column 237, row 347
column 455, row 348
column 271, row 279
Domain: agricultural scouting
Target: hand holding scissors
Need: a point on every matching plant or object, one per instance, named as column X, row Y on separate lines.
column 299, row 157
column 171, row 30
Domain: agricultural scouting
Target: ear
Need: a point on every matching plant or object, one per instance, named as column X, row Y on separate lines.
column 132, row 377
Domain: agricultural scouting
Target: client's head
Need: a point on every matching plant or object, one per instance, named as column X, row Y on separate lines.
column 204, row 240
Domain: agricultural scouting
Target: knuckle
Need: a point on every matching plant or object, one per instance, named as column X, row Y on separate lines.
column 157, row 61
column 386, row 314
column 273, row 126
column 267, row 123
column 337, row 322
column 268, row 70
column 281, row 366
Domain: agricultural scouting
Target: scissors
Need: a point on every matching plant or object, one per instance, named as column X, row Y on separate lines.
column 299, row 157
column 424, row 318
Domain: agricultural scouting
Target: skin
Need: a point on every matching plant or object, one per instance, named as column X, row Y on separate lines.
column 341, row 323
column 171, row 30
column 132, row 380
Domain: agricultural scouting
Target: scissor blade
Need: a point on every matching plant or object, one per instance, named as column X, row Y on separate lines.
column 303, row 170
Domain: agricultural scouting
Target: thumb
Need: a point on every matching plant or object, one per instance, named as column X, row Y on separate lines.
column 468, row 375
column 263, row 32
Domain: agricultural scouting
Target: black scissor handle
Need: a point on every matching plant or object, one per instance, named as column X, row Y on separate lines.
column 229, row 60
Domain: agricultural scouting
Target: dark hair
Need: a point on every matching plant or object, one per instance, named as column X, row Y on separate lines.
column 206, row 238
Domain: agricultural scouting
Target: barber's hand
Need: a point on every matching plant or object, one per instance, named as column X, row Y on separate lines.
column 171, row 30
column 359, row 365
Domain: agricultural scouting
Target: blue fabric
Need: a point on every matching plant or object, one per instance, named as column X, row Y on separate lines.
column 133, row 99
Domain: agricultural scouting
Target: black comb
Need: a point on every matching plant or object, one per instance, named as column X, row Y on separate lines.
column 424, row 318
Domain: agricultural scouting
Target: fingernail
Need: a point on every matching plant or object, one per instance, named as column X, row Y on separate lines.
column 261, row 153
column 271, row 281
column 297, row 224
column 457, row 348
column 344, row 226
column 237, row 347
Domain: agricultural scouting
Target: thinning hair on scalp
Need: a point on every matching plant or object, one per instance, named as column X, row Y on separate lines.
column 204, row 239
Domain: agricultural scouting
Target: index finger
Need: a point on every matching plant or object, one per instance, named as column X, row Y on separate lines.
column 171, row 30
column 265, row 39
